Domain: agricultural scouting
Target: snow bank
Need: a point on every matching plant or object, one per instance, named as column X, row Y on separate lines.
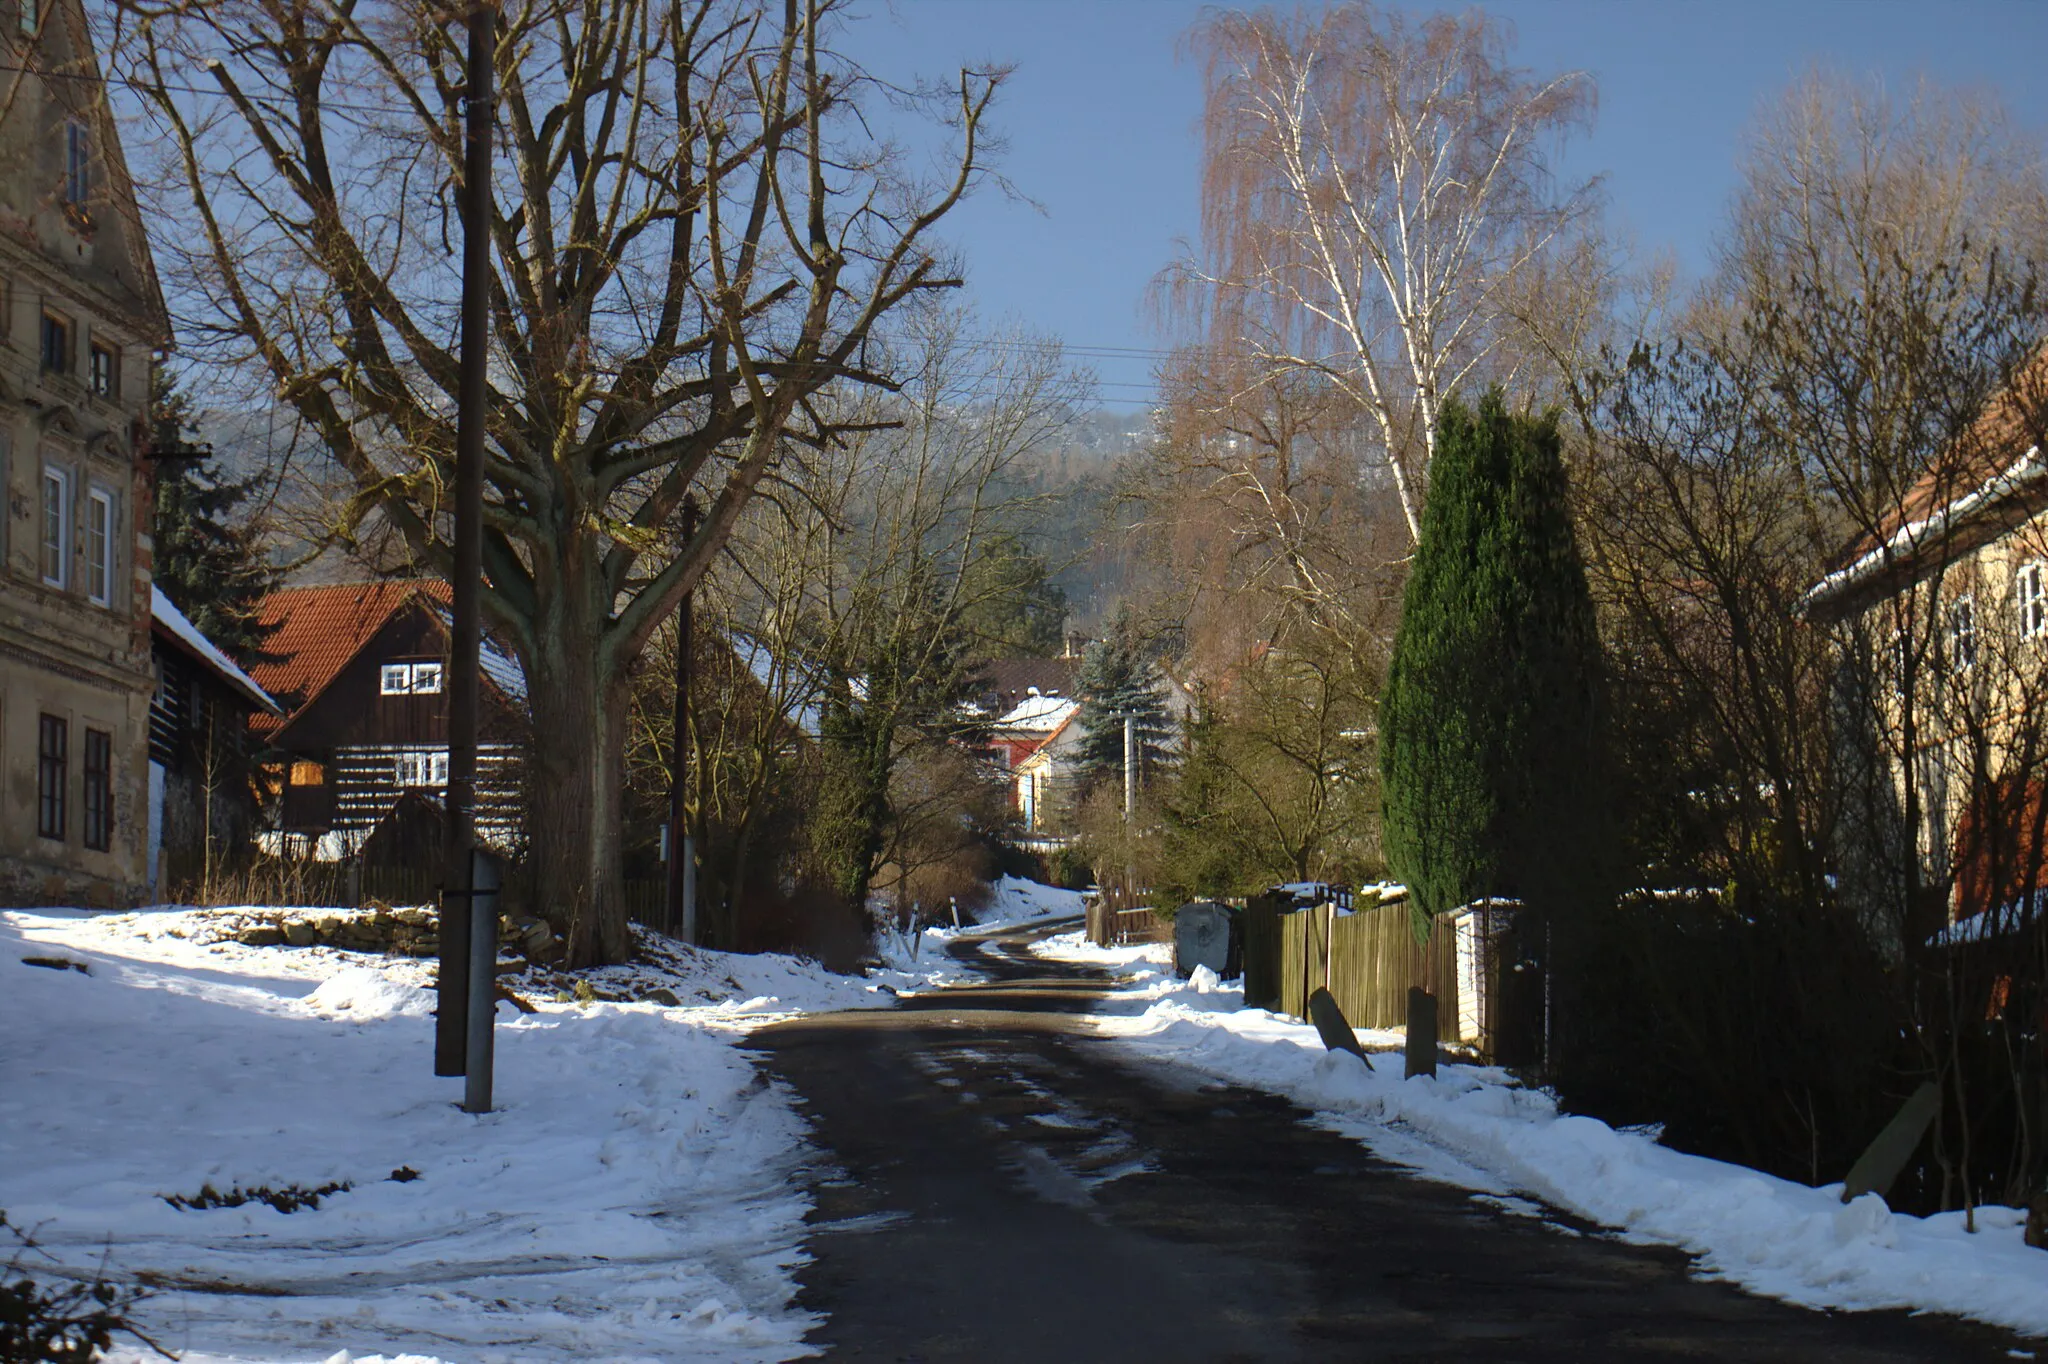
column 1474, row 1126
column 1018, row 901
column 632, row 1198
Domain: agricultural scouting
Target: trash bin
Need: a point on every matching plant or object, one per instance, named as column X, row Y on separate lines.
column 1206, row 933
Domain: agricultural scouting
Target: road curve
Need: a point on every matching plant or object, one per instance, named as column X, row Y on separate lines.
column 993, row 1185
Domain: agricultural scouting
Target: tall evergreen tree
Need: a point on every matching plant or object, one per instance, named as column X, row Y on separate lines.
column 211, row 566
column 1492, row 743
column 1120, row 677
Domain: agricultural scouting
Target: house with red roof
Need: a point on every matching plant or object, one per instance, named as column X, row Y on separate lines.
column 361, row 670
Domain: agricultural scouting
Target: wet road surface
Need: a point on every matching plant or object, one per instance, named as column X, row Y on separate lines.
column 993, row 1185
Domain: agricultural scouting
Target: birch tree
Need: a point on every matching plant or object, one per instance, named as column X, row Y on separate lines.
column 1371, row 185
column 696, row 236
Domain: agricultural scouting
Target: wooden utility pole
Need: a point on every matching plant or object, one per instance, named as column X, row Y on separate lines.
column 682, row 849
column 462, row 1032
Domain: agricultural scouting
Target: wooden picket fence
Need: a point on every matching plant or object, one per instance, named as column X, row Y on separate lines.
column 1369, row 960
column 1116, row 918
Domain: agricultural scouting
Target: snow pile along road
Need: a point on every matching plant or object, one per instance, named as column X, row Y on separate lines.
column 1473, row 1126
column 631, row 1199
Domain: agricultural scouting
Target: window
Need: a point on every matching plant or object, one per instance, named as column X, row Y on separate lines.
column 77, row 163
column 103, row 377
column 31, row 15
column 56, row 550
column 99, row 547
column 1961, row 634
column 399, row 679
column 423, row 768
column 99, row 790
column 2030, row 598
column 307, row 773
column 56, row 350
column 50, row 777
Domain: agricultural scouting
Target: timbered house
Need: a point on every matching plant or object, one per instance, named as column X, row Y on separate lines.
column 201, row 753
column 363, row 671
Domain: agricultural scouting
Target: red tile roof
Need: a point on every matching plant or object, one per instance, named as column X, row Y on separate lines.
column 319, row 629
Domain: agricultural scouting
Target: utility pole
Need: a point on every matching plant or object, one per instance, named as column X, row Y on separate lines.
column 469, row 920
column 682, row 848
column 1130, row 807
column 1130, row 770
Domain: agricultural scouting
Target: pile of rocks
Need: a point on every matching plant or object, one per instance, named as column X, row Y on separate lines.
column 409, row 932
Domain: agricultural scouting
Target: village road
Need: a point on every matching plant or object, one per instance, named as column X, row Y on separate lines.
column 993, row 1185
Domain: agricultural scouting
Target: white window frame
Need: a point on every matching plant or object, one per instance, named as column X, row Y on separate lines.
column 395, row 679
column 2030, row 598
column 59, row 478
column 100, row 556
column 104, row 381
column 421, row 768
column 426, row 679
column 1959, row 633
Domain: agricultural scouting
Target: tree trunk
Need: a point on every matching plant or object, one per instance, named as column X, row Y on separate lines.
column 577, row 785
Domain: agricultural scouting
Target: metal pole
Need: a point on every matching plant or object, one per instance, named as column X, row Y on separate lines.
column 1130, row 807
column 681, row 913
column 483, row 982
column 458, row 916
column 1130, row 770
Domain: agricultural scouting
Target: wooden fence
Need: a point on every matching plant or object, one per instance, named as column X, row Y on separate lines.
column 1369, row 959
column 1115, row 921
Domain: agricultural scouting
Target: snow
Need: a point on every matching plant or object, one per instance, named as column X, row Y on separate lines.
column 632, row 1198
column 166, row 612
column 1909, row 538
column 1038, row 714
column 1018, row 901
column 1474, row 1126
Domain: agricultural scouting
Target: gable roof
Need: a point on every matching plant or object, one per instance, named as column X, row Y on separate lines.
column 170, row 624
column 1988, row 480
column 319, row 629
column 1006, row 682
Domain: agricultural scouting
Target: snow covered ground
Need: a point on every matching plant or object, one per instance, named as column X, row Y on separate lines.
column 631, row 1199
column 1472, row 1126
column 1016, row 903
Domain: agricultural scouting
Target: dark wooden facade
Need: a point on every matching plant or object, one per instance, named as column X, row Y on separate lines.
column 352, row 749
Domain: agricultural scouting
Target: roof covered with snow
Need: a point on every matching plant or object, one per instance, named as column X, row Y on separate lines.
column 170, row 621
column 1038, row 714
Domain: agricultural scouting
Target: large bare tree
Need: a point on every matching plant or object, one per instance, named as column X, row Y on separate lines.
column 1372, row 185
column 696, row 235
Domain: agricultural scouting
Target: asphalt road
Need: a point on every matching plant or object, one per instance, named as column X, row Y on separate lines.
column 993, row 1185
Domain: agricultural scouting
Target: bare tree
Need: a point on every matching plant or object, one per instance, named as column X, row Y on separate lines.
column 1832, row 693
column 696, row 237
column 1371, row 186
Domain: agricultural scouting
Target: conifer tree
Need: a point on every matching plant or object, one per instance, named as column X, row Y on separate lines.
column 1119, row 677
column 1492, row 753
column 211, row 567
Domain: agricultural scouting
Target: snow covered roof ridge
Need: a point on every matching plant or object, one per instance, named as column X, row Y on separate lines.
column 165, row 612
column 1908, row 540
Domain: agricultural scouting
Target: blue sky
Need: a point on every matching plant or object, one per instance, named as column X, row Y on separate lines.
column 1100, row 123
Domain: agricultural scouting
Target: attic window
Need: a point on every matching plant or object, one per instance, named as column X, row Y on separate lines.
column 402, row 679
column 77, row 163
